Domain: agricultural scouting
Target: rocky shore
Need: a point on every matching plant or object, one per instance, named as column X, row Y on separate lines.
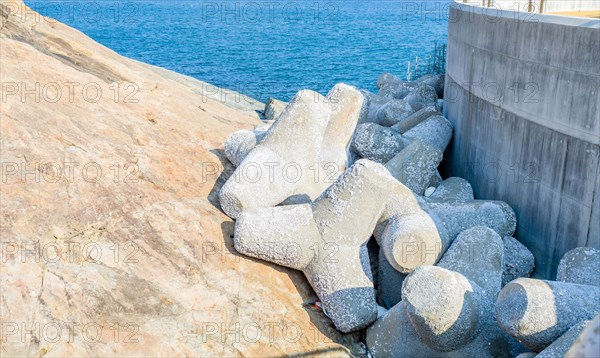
column 450, row 278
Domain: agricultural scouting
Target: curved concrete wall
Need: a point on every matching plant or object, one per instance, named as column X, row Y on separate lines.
column 524, row 97
column 543, row 6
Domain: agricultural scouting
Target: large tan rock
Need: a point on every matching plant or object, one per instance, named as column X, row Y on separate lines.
column 151, row 253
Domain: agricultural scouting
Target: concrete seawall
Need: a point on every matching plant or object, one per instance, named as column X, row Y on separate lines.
column 523, row 92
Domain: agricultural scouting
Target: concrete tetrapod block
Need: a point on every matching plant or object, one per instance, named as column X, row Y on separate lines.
column 393, row 87
column 327, row 241
column 389, row 290
column 377, row 143
column 447, row 302
column 478, row 254
column 538, row 312
column 435, row 81
column 559, row 348
column 588, row 342
column 415, row 165
column 371, row 105
column 580, row 265
column 443, row 306
column 240, row 143
column 401, row 201
column 459, row 216
column 435, row 130
column 393, row 112
column 419, row 116
column 310, row 133
column 413, row 240
column 421, row 96
column 422, row 237
column 453, row 189
column 393, row 336
column 518, row 260
column 346, row 104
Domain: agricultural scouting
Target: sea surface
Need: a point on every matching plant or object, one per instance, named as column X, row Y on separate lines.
column 264, row 48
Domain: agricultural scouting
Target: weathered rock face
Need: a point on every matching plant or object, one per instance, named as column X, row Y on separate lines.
column 151, row 256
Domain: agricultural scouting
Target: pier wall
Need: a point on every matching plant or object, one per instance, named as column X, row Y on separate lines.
column 523, row 93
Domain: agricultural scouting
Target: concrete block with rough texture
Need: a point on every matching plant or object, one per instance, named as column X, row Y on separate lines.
column 580, row 265
column 444, row 307
column 327, row 241
column 518, row 260
column 240, row 143
column 421, row 96
column 588, row 342
column 538, row 312
column 393, row 87
column 415, row 165
column 345, row 103
column 478, row 254
column 401, row 201
column 435, row 81
column 389, row 290
column 560, row 347
column 394, row 336
column 413, row 240
column 447, row 302
column 420, row 237
column 371, row 105
column 415, row 118
column 393, row 112
column 459, row 216
column 453, row 189
column 435, row 130
column 313, row 132
column 375, row 142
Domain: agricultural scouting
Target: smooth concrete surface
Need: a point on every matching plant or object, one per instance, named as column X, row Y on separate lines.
column 524, row 97
column 538, row 6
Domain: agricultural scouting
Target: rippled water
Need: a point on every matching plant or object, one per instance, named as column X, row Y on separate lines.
column 264, row 48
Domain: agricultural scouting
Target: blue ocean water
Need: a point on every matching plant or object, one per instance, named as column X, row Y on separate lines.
column 264, row 48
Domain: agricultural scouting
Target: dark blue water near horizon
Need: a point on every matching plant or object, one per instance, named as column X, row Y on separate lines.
column 263, row 48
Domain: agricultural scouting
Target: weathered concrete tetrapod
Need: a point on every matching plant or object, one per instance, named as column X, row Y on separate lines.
column 421, row 238
column 393, row 336
column 377, row 143
column 459, row 216
column 389, row 289
column 326, row 240
column 421, row 96
column 453, row 189
column 446, row 303
column 518, row 260
column 588, row 342
column 538, row 312
column 393, row 112
column 284, row 163
column 435, row 130
column 478, row 254
column 240, row 143
column 559, row 348
column 401, row 202
column 580, row 265
column 415, row 118
column 415, row 165
column 381, row 144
